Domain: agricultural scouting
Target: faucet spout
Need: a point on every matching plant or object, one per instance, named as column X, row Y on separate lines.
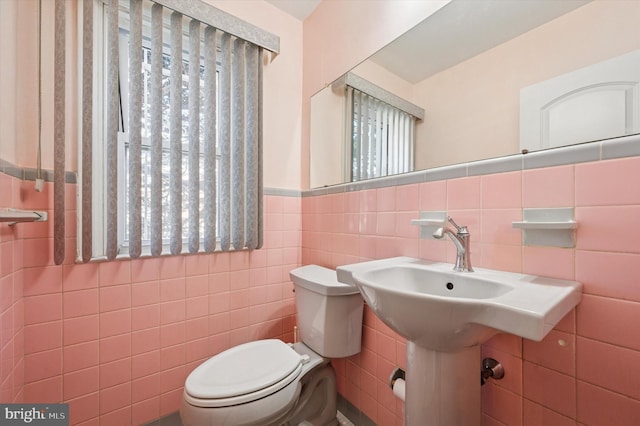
column 457, row 241
column 460, row 237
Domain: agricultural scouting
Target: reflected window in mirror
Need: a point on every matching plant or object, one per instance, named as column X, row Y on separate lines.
column 382, row 137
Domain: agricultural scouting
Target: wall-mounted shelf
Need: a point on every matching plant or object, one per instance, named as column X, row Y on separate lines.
column 13, row 216
column 545, row 225
column 553, row 227
column 429, row 222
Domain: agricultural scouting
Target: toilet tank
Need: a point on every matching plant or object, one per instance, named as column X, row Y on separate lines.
column 329, row 312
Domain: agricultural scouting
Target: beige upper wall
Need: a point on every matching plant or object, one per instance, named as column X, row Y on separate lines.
column 19, row 100
column 473, row 108
column 8, row 47
column 19, row 83
column 17, row 70
column 282, row 88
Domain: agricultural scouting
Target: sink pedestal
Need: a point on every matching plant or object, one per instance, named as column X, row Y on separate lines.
column 442, row 388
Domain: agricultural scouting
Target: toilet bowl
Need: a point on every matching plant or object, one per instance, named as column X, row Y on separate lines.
column 269, row 382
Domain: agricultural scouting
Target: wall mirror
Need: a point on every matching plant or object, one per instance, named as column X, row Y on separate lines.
column 495, row 77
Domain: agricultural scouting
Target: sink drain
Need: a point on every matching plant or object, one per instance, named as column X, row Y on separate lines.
column 449, row 286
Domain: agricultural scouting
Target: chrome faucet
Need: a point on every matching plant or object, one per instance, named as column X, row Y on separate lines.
column 460, row 236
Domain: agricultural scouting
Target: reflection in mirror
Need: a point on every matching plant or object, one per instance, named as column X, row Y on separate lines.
column 378, row 131
column 599, row 101
column 467, row 66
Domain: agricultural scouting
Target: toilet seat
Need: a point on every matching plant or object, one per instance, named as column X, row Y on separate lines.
column 243, row 374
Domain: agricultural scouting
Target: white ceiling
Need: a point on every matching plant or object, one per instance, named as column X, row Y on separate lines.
column 299, row 9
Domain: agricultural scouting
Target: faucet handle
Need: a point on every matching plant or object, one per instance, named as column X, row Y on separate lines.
column 460, row 230
column 455, row 225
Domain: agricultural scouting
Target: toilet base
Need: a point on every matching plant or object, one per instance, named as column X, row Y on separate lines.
column 308, row 401
column 317, row 405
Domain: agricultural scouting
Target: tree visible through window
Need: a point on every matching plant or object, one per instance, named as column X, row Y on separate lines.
column 145, row 157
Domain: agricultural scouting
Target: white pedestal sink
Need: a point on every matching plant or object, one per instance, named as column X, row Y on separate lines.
column 445, row 316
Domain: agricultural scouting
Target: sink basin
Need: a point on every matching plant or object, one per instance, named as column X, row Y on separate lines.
column 443, row 310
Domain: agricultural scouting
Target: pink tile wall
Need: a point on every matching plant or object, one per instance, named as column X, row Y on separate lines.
column 585, row 372
column 12, row 331
column 116, row 340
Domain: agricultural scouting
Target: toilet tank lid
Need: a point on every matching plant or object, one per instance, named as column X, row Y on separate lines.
column 321, row 280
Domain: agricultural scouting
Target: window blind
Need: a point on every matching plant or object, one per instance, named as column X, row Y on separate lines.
column 205, row 138
column 382, row 137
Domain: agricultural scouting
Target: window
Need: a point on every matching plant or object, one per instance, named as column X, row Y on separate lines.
column 380, row 128
column 146, row 166
column 382, row 137
column 171, row 140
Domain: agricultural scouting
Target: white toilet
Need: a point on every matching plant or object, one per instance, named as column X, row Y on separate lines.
column 269, row 382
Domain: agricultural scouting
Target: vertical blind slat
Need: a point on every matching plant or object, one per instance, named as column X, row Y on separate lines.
column 348, row 133
column 378, row 137
column 209, row 141
column 407, row 142
column 405, row 166
column 358, row 145
column 392, row 145
column 354, row 136
column 384, row 148
column 225, row 142
column 87, row 129
column 135, row 128
column 400, row 126
column 113, row 115
column 398, row 146
column 155, row 128
column 396, row 142
column 373, row 104
column 237, row 144
column 194, row 136
column 260, row 153
column 365, row 137
column 59, row 131
column 412, row 125
column 175, row 148
column 400, row 142
column 362, row 98
column 252, row 145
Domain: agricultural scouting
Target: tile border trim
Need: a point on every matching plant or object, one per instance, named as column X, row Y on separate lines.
column 28, row 173
column 608, row 149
